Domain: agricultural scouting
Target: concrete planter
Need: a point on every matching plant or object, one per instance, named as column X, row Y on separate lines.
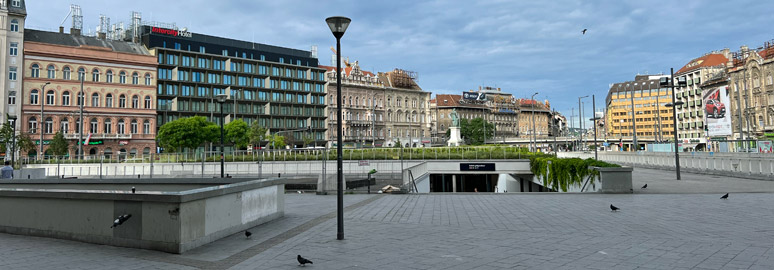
column 615, row 180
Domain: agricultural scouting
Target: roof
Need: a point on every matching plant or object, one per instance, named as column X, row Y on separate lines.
column 526, row 105
column 709, row 60
column 447, row 100
column 399, row 79
column 83, row 41
column 767, row 53
column 21, row 10
column 347, row 70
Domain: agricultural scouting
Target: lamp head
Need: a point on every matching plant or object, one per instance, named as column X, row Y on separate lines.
column 221, row 98
column 338, row 25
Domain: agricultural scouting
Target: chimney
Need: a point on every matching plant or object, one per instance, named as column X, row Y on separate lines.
column 101, row 35
column 75, row 32
column 61, row 29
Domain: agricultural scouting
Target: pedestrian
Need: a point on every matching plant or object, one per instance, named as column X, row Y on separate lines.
column 7, row 171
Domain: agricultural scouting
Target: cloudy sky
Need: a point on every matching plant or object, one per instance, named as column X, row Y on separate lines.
column 521, row 46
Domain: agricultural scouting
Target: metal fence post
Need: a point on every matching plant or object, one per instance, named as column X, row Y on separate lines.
column 102, row 158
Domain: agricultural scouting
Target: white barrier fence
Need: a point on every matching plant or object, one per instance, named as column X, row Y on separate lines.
column 749, row 165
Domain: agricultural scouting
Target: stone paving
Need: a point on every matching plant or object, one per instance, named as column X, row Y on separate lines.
column 465, row 231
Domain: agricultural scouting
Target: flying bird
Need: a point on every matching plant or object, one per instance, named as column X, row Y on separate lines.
column 248, row 234
column 725, row 197
column 303, row 261
column 612, row 207
column 584, row 31
column 645, row 186
column 120, row 220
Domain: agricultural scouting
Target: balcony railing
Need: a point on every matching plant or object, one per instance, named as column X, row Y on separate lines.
column 76, row 136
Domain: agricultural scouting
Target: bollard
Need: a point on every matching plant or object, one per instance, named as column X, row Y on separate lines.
column 133, row 190
column 138, row 176
column 279, row 175
column 28, row 176
column 63, row 176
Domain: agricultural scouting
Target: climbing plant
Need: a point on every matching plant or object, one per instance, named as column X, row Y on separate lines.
column 561, row 173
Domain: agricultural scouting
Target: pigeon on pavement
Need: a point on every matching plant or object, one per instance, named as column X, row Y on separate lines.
column 645, row 186
column 120, row 220
column 725, row 197
column 303, row 261
column 614, row 208
column 248, row 234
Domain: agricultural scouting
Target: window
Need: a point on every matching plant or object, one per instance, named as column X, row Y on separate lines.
column 146, row 127
column 135, row 78
column 66, row 73
column 34, row 97
column 148, row 102
column 95, row 100
column 122, row 77
column 122, row 101
column 109, row 100
column 12, row 73
column 109, row 76
column 134, row 127
column 33, row 125
column 48, row 127
column 14, row 25
column 16, row 3
column 50, row 97
column 108, row 126
column 14, row 49
column 81, row 74
column 64, row 126
column 51, row 72
column 35, row 71
column 66, row 98
column 147, row 79
column 135, row 102
column 121, row 127
column 12, row 97
column 95, row 75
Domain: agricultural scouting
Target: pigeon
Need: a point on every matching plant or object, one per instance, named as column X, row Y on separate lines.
column 299, row 192
column 303, row 261
column 120, row 220
column 725, row 197
column 134, row 190
column 645, row 186
column 584, row 31
column 248, row 234
column 612, row 207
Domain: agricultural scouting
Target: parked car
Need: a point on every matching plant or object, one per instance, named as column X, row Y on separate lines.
column 715, row 108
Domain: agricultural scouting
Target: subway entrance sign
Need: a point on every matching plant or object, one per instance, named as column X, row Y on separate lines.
column 477, row 167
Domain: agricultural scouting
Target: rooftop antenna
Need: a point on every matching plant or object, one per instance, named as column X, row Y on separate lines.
column 77, row 17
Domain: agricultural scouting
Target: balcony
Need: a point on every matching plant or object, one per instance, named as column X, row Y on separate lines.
column 97, row 136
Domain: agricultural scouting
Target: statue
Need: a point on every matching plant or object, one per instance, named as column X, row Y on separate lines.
column 455, row 118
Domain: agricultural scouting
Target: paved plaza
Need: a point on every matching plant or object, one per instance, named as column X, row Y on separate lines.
column 472, row 231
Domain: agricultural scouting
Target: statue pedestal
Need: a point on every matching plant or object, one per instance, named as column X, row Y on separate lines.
column 454, row 137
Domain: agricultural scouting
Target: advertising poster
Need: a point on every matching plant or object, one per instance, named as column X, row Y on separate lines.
column 765, row 147
column 717, row 115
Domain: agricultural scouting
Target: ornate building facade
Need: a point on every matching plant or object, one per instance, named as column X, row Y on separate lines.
column 119, row 87
column 751, row 81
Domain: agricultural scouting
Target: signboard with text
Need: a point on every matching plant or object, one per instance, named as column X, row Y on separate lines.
column 477, row 166
column 473, row 96
column 716, row 109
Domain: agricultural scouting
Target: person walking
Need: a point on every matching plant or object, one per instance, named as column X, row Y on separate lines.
column 6, row 171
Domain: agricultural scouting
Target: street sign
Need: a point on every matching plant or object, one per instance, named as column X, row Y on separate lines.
column 363, row 163
column 477, row 166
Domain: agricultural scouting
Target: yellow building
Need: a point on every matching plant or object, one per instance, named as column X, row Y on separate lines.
column 654, row 122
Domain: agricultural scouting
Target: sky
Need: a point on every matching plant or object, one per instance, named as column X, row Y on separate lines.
column 522, row 47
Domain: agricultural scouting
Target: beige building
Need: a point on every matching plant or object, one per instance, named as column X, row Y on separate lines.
column 542, row 118
column 751, row 82
column 119, row 115
column 690, row 116
column 442, row 107
column 379, row 110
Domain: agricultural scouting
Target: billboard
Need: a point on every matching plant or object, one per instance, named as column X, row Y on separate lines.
column 717, row 111
column 473, row 96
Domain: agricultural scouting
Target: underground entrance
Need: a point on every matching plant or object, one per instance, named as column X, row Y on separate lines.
column 463, row 182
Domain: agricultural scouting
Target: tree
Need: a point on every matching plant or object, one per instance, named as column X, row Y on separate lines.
column 24, row 143
column 278, row 142
column 188, row 132
column 59, row 145
column 307, row 139
column 6, row 136
column 257, row 134
column 237, row 133
column 473, row 130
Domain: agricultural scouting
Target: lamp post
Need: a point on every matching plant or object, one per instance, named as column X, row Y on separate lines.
column 634, row 124
column 534, row 138
column 40, row 99
column 338, row 26
column 670, row 82
column 222, row 99
column 80, row 132
column 594, row 122
column 373, row 121
column 580, row 121
column 13, row 137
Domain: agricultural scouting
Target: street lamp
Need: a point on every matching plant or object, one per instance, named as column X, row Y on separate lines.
column 221, row 99
column 534, row 138
column 40, row 99
column 594, row 122
column 580, row 121
column 338, row 26
column 670, row 82
column 13, row 145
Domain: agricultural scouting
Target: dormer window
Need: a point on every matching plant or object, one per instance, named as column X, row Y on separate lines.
column 16, row 3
